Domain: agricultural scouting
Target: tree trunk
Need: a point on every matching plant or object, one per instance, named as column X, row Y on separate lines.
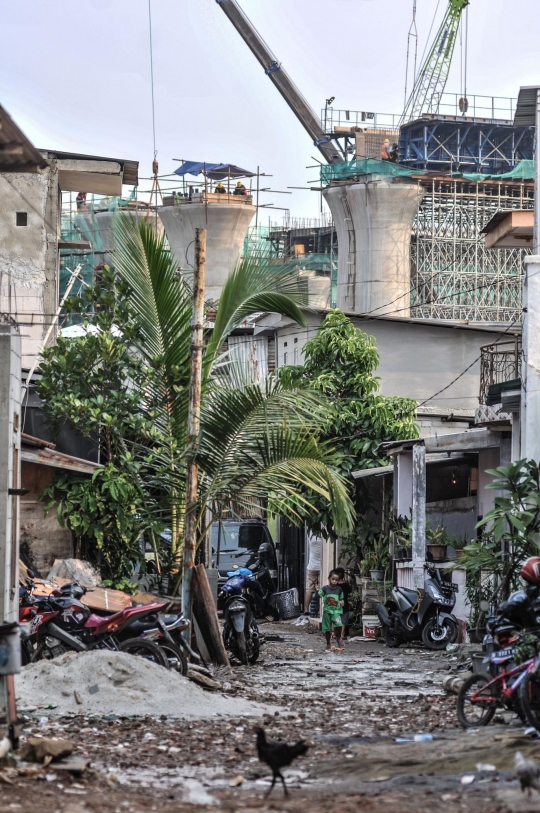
column 206, row 616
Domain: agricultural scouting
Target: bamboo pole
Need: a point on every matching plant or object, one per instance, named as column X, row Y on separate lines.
column 195, row 381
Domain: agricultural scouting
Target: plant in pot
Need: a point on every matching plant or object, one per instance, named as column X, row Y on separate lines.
column 376, row 560
column 400, row 529
column 436, row 541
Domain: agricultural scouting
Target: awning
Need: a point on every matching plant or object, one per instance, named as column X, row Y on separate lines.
column 445, row 458
column 217, row 172
column 58, row 460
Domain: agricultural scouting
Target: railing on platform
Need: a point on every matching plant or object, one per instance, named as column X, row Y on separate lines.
column 499, row 363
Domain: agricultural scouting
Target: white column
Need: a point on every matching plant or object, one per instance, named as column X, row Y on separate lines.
column 10, row 411
column 530, row 368
column 418, row 513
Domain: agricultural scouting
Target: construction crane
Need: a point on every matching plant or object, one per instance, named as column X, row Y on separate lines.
column 274, row 70
column 431, row 80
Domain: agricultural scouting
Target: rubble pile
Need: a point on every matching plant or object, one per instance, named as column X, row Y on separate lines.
column 102, row 682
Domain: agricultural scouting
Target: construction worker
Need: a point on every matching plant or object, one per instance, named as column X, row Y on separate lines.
column 240, row 189
column 81, row 200
column 393, row 153
column 385, row 150
column 220, row 189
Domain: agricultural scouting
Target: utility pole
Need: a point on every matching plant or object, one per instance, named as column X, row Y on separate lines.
column 194, row 415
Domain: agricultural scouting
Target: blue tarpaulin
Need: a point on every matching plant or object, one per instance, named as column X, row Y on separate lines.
column 217, row 172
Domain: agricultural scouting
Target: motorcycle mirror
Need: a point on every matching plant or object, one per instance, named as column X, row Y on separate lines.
column 484, row 606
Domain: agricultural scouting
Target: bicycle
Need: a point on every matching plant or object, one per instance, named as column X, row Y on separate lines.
column 477, row 706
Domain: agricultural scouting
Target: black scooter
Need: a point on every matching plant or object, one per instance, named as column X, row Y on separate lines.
column 425, row 615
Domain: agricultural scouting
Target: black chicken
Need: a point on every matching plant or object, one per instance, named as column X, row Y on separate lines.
column 278, row 755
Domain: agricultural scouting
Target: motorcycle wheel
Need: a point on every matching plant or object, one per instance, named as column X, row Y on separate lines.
column 472, row 715
column 391, row 639
column 437, row 639
column 145, row 649
column 529, row 698
column 241, row 648
column 255, row 651
column 175, row 656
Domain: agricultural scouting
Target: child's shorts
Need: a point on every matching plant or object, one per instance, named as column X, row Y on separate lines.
column 328, row 619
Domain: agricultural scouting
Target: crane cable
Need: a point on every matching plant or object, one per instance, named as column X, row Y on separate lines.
column 413, row 34
column 152, row 75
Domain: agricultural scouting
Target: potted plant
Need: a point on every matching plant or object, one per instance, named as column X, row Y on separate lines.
column 437, row 540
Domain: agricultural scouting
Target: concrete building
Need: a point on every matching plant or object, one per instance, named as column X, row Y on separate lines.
column 30, row 210
column 418, row 357
column 226, row 219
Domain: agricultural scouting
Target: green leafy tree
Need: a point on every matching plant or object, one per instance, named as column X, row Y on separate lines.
column 509, row 536
column 126, row 382
column 340, row 364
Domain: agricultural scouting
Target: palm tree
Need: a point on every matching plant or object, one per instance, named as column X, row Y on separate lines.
column 257, row 440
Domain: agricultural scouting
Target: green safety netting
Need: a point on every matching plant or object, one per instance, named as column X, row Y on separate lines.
column 522, row 171
column 366, row 166
column 374, row 166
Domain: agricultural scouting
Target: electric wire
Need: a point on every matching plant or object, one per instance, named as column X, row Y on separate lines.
column 477, row 359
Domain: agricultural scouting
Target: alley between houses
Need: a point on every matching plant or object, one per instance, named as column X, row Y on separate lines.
column 359, row 709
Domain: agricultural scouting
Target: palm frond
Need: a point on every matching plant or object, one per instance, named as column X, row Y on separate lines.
column 256, row 285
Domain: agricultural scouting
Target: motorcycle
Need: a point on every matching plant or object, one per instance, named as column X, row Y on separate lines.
column 241, row 634
column 59, row 623
column 426, row 615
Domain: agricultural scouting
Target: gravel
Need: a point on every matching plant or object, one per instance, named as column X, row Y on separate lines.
column 123, row 685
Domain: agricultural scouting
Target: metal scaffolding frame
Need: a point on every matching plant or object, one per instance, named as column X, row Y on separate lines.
column 453, row 275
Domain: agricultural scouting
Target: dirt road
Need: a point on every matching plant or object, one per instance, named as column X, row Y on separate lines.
column 350, row 705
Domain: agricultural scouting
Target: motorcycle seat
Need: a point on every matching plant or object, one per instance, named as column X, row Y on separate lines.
column 127, row 616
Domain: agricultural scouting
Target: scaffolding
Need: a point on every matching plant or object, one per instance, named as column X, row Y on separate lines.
column 453, row 275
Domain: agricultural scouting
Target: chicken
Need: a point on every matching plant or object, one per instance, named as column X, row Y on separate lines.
column 278, row 755
column 528, row 773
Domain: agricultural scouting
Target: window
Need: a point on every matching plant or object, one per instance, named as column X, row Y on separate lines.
column 21, row 218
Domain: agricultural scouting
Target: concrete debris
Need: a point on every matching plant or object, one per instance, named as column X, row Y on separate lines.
column 127, row 686
column 195, row 794
column 203, row 680
column 43, row 749
column 75, row 570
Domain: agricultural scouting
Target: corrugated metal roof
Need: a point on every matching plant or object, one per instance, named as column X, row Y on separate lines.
column 17, row 153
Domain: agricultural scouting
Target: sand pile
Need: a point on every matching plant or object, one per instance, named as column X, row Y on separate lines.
column 121, row 684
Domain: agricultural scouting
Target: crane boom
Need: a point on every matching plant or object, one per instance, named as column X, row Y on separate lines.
column 273, row 69
column 431, row 81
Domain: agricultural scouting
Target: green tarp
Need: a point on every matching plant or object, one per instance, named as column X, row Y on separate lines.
column 366, row 166
column 374, row 166
column 523, row 171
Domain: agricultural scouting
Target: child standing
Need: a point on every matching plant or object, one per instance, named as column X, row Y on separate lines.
column 332, row 596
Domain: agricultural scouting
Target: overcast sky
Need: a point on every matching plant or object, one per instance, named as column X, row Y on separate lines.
column 75, row 74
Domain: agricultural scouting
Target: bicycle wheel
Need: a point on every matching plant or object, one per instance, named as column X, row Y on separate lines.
column 145, row 649
column 474, row 713
column 529, row 698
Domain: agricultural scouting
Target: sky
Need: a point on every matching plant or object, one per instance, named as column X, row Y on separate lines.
column 75, row 75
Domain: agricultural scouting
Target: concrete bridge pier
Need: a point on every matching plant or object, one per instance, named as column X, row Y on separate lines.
column 373, row 223
column 226, row 225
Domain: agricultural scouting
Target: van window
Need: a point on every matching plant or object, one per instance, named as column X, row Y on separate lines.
column 239, row 541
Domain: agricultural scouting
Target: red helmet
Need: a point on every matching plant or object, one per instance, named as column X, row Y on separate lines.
column 531, row 570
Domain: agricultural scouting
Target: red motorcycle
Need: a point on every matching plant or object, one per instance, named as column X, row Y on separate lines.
column 60, row 623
